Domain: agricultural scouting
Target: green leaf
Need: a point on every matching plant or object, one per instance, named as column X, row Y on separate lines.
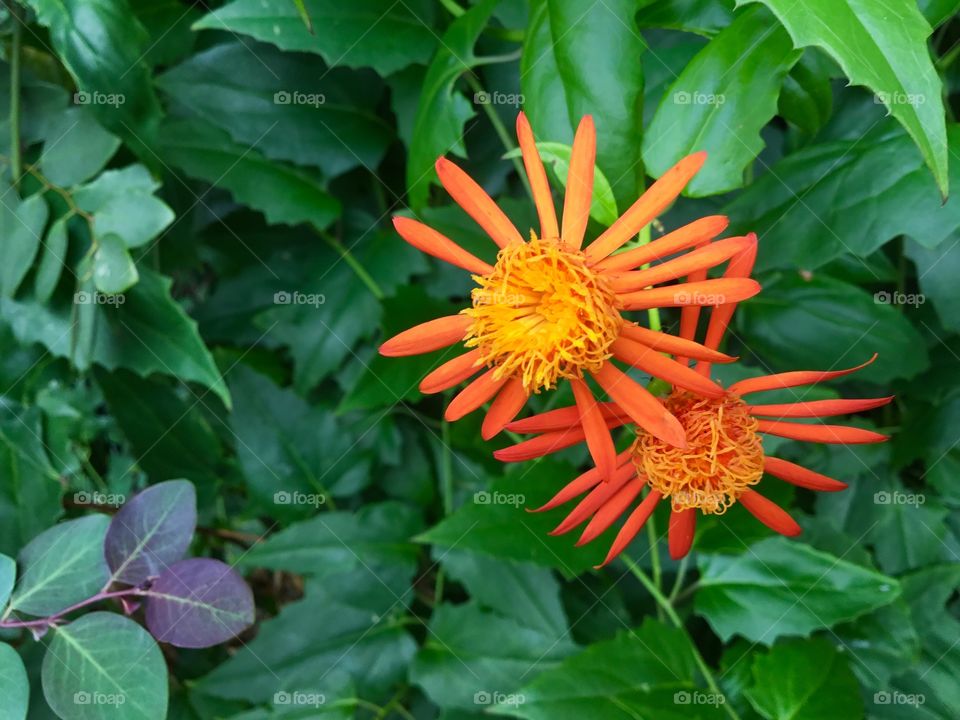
column 366, row 32
column 8, row 573
column 806, row 98
column 720, row 102
column 21, row 224
column 882, row 46
column 105, row 666
column 937, row 270
column 781, row 587
column 287, row 107
column 603, row 206
column 804, row 681
column 643, row 673
column 52, row 260
column 826, row 323
column 123, row 203
column 938, row 12
column 77, row 147
column 857, row 194
column 113, row 268
column 438, row 127
column 882, row 644
column 282, row 193
column 14, row 685
column 578, row 63
column 706, row 17
column 102, row 46
column 62, row 566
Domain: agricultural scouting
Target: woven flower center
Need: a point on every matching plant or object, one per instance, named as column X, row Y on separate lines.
column 723, row 457
column 542, row 314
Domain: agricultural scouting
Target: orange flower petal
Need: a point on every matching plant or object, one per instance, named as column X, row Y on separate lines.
column 428, row 240
column 632, row 526
column 597, row 498
column 541, row 445
column 579, row 195
column 654, row 201
column 696, row 233
column 614, row 508
column 537, row 176
column 769, row 513
column 451, row 373
column 801, row 476
column 473, row 396
column 599, row 442
column 819, row 408
column 835, row 434
column 662, row 342
column 505, row 408
column 427, row 337
column 648, row 412
column 791, row 379
column 567, row 417
column 702, row 258
column 683, row 525
column 660, row 366
column 690, row 315
column 704, row 293
column 477, row 204
column 580, row 485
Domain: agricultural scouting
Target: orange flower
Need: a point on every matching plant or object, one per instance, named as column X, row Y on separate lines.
column 548, row 310
column 722, row 462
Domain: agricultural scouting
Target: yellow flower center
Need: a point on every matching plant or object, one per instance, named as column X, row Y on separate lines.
column 724, row 454
column 542, row 314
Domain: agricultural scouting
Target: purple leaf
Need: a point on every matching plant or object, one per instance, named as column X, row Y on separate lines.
column 151, row 532
column 198, row 603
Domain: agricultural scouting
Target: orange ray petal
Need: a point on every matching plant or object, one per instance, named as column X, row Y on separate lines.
column 540, row 445
column 819, row 408
column 835, row 434
column 428, row 240
column 654, row 201
column 648, row 412
column 769, row 513
column 801, row 476
column 683, row 525
column 695, row 233
column 702, row 258
column 662, row 342
column 632, row 526
column 599, row 442
column 567, row 417
column 538, row 179
column 791, row 379
column 690, row 315
column 579, row 195
column 704, row 293
column 505, row 408
column 473, row 396
column 477, row 204
column 451, row 373
column 597, row 498
column 427, row 337
column 580, row 485
column 660, row 366
column 614, row 508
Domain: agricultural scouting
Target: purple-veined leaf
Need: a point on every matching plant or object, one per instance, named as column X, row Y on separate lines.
column 151, row 532
column 198, row 603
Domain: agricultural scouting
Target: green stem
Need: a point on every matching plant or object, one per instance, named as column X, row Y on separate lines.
column 15, row 46
column 678, row 581
column 446, row 492
column 355, row 265
column 654, row 556
column 664, row 603
column 453, row 8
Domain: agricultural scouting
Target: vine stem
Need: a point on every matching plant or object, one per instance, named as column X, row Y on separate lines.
column 446, row 491
column 16, row 167
column 53, row 619
column 355, row 265
column 664, row 603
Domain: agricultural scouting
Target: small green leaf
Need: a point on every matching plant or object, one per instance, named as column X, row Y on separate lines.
column 21, row 225
column 113, row 268
column 52, row 260
column 123, row 203
column 77, row 149
column 14, row 685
